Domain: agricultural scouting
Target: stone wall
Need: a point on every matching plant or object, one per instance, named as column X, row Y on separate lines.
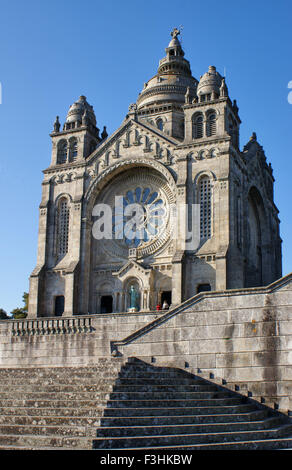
column 64, row 342
column 241, row 337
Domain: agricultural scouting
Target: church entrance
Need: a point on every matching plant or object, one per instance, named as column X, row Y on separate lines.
column 59, row 305
column 166, row 297
column 106, row 304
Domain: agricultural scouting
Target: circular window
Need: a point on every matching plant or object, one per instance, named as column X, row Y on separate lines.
column 140, row 202
column 140, row 218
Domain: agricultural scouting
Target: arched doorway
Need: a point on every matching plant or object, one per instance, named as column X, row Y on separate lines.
column 166, row 297
column 106, row 304
column 59, row 305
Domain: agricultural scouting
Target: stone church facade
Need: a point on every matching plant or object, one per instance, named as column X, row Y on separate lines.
column 177, row 147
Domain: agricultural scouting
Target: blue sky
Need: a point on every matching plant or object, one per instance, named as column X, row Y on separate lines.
column 52, row 52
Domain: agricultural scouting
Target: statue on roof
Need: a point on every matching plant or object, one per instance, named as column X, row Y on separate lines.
column 174, row 33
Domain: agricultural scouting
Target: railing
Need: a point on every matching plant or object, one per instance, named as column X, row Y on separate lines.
column 50, row 326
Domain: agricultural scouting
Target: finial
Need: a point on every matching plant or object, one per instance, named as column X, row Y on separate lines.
column 57, row 124
column 254, row 136
column 132, row 108
column 187, row 95
column 223, row 88
column 85, row 119
column 104, row 133
column 174, row 33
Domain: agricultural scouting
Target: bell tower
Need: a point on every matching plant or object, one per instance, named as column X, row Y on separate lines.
column 79, row 137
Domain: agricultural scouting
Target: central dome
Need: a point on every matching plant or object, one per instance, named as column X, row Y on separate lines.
column 173, row 78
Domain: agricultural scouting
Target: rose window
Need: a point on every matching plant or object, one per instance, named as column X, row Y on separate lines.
column 139, row 217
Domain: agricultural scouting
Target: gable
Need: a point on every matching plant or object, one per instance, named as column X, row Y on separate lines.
column 132, row 268
column 135, row 139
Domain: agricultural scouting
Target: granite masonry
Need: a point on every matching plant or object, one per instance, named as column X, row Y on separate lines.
column 218, row 311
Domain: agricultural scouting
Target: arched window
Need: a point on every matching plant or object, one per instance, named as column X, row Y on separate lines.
column 159, row 124
column 73, row 150
column 62, row 152
column 205, row 198
column 198, row 123
column 62, row 226
column 211, row 125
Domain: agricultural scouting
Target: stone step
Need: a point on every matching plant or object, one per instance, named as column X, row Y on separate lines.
column 177, row 429
column 169, row 395
column 53, row 403
column 29, row 448
column 184, row 419
column 39, row 396
column 49, row 420
column 98, row 395
column 165, row 388
column 9, row 419
column 54, row 380
column 57, row 402
column 155, row 373
column 95, row 412
column 172, row 403
column 32, row 376
column 189, row 439
column 177, row 411
column 257, row 444
column 104, row 364
column 72, row 431
column 91, row 386
column 40, row 442
column 158, row 381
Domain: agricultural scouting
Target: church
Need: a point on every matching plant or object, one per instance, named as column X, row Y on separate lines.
column 177, row 147
column 158, row 317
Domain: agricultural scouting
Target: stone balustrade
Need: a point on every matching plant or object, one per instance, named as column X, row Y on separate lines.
column 51, row 326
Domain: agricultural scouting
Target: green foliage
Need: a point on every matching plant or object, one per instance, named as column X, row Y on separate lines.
column 3, row 315
column 19, row 313
column 25, row 299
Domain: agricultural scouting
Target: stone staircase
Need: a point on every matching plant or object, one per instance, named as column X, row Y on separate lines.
column 113, row 405
column 167, row 408
column 54, row 408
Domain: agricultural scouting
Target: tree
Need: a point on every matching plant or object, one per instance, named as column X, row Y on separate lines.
column 25, row 299
column 3, row 315
column 21, row 312
column 18, row 313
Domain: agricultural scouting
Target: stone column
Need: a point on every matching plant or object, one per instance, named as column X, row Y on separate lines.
column 69, row 295
column 85, row 243
column 36, row 284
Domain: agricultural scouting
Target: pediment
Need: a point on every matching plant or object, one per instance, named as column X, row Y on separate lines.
column 133, row 269
column 135, row 139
